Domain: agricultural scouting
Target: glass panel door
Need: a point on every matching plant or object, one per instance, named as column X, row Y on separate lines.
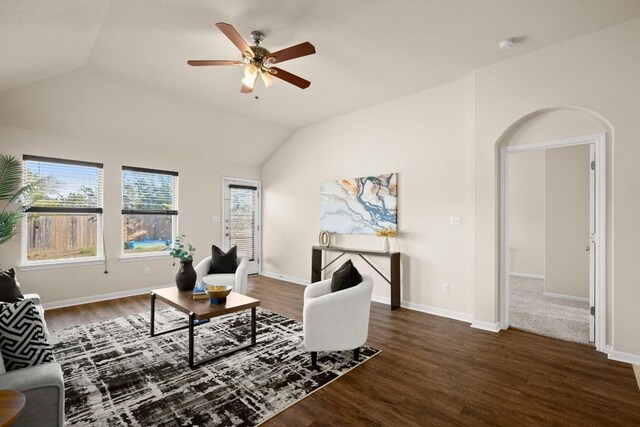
column 241, row 224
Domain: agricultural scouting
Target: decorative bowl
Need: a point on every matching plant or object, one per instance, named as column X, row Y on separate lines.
column 218, row 291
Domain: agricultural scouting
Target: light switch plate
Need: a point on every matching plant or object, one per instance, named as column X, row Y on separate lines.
column 215, row 219
column 454, row 220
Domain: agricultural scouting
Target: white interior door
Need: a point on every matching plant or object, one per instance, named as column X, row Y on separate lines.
column 241, row 219
column 592, row 242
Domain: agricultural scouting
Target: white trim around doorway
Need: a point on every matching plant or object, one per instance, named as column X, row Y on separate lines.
column 229, row 179
column 599, row 142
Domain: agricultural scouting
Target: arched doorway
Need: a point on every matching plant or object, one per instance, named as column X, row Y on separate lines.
column 544, row 130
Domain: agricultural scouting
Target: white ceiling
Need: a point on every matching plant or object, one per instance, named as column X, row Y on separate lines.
column 41, row 39
column 368, row 51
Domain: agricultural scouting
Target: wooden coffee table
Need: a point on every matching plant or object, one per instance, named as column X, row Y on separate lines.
column 11, row 405
column 203, row 310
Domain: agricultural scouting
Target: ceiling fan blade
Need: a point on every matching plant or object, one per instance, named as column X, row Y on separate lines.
column 302, row 49
column 235, row 38
column 290, row 78
column 246, row 89
column 200, row 62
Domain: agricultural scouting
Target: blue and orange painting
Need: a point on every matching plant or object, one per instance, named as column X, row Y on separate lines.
column 359, row 205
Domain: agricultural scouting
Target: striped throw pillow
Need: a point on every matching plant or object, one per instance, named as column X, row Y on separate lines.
column 22, row 336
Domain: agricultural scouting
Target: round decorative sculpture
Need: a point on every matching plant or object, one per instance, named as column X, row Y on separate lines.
column 324, row 239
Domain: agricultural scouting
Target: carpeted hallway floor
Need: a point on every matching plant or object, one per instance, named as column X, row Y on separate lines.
column 531, row 311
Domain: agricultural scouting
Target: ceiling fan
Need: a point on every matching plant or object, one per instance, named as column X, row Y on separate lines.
column 259, row 61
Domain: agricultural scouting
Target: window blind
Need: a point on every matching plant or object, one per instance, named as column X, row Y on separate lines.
column 63, row 186
column 149, row 191
column 242, row 219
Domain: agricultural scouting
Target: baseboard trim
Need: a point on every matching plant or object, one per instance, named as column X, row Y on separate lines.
column 621, row 356
column 565, row 297
column 528, row 275
column 383, row 300
column 97, row 298
column 486, row 326
column 292, row 279
column 436, row 311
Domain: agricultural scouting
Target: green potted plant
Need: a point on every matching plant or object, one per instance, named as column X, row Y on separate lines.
column 13, row 196
column 186, row 276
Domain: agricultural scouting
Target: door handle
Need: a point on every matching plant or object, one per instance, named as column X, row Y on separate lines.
column 588, row 248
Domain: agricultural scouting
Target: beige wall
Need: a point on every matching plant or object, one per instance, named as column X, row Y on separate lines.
column 582, row 86
column 427, row 139
column 93, row 116
column 199, row 199
column 526, row 213
column 87, row 103
column 85, row 115
column 597, row 73
column 567, row 221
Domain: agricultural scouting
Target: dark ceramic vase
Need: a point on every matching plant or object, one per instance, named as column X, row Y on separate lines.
column 186, row 276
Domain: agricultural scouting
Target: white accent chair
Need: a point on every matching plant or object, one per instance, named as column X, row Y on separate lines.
column 237, row 280
column 336, row 321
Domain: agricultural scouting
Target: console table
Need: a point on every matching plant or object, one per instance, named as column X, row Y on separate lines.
column 394, row 260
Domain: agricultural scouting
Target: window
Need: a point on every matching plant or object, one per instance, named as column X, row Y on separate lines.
column 149, row 210
column 64, row 218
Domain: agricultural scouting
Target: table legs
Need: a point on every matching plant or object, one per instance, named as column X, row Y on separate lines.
column 191, row 326
column 194, row 364
column 152, row 332
column 393, row 280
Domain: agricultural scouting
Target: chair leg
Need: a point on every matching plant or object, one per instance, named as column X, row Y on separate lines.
column 314, row 359
column 356, row 354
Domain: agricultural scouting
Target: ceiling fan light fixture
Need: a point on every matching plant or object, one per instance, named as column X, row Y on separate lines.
column 267, row 78
column 258, row 60
column 250, row 76
column 249, row 81
column 250, row 70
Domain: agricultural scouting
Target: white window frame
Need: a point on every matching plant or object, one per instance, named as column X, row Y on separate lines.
column 26, row 265
column 125, row 257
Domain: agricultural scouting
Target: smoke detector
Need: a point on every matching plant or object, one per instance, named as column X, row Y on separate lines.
column 508, row 43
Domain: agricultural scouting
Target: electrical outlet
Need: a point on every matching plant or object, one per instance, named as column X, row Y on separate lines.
column 445, row 288
column 147, row 271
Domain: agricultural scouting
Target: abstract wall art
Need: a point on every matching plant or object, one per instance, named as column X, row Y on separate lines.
column 359, row 205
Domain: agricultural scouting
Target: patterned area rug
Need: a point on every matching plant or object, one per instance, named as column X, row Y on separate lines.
column 116, row 375
column 531, row 311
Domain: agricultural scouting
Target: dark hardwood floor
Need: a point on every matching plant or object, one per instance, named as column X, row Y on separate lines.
column 437, row 371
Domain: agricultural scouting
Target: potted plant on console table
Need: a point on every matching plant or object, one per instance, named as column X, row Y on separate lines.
column 186, row 276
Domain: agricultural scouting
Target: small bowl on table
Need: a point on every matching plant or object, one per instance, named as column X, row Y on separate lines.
column 218, row 293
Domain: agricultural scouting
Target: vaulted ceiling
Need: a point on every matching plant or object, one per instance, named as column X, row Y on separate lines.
column 368, row 51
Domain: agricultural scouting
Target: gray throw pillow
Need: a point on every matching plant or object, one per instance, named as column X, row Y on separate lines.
column 9, row 286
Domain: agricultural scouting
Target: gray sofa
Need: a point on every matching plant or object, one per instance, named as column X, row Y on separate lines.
column 43, row 387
